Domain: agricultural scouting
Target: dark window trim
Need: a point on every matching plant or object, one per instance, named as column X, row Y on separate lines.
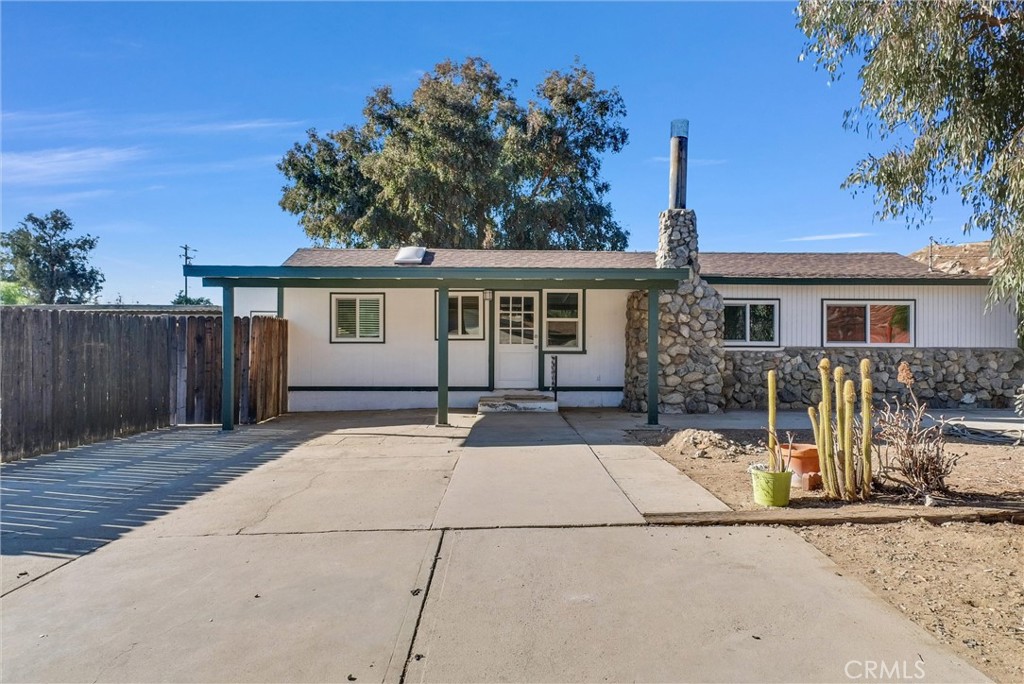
column 582, row 349
column 868, row 302
column 333, row 312
column 746, row 343
column 484, row 311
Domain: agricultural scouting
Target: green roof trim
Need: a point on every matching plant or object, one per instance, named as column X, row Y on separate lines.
column 762, row 280
column 427, row 276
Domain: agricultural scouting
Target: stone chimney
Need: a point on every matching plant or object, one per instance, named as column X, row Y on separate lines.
column 691, row 358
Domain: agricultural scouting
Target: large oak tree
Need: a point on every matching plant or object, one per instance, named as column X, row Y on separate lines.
column 943, row 83
column 464, row 164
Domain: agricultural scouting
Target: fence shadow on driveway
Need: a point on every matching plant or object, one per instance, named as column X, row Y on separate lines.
column 74, row 501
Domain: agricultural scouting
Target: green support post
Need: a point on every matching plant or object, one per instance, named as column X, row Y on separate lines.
column 227, row 390
column 280, row 302
column 652, row 356
column 442, row 355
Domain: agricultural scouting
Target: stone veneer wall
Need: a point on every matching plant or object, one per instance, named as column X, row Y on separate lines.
column 691, row 354
column 945, row 378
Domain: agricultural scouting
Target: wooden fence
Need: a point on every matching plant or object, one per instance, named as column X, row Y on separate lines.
column 74, row 377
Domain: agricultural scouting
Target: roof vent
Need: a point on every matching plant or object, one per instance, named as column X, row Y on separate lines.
column 409, row 256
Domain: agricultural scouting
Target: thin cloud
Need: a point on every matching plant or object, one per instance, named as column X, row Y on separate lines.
column 78, row 123
column 232, row 126
column 64, row 199
column 65, row 164
column 829, row 236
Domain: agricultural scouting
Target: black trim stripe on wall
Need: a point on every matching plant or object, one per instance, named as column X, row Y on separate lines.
column 425, row 388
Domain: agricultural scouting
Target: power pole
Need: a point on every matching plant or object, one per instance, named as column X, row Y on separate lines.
column 188, row 260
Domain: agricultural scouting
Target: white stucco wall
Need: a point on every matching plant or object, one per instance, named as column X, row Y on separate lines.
column 946, row 316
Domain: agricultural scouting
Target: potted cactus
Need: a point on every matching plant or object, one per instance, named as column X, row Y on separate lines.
column 772, row 480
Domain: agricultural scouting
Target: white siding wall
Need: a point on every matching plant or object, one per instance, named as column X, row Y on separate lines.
column 249, row 299
column 945, row 315
column 604, row 363
column 408, row 356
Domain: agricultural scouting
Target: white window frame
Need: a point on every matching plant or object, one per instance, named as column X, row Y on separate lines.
column 358, row 297
column 579, row 320
column 460, row 295
column 747, row 303
column 867, row 304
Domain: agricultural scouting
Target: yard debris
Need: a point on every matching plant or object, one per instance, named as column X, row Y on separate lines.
column 709, row 444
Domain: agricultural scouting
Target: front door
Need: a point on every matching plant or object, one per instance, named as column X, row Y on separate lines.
column 515, row 365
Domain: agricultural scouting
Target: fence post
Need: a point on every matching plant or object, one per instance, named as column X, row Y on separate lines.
column 227, row 402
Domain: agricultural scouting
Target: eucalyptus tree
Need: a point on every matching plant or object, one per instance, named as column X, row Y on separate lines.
column 463, row 163
column 943, row 84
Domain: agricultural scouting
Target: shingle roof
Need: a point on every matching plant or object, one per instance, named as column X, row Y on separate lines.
column 780, row 265
column 475, row 258
column 810, row 265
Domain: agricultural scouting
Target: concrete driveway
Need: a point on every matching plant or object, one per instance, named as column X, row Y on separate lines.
column 377, row 547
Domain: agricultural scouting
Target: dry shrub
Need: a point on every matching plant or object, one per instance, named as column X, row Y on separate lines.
column 913, row 455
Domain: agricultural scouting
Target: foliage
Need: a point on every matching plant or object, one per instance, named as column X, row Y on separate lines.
column 12, row 294
column 464, row 164
column 52, row 267
column 914, row 455
column 181, row 299
column 942, row 81
column 844, row 440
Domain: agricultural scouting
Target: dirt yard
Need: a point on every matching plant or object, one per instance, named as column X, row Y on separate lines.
column 963, row 582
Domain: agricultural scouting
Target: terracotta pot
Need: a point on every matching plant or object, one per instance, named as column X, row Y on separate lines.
column 805, row 458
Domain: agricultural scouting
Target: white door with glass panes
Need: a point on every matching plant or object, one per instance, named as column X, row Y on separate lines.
column 515, row 349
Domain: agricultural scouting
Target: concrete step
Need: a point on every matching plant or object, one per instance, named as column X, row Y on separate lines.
column 518, row 402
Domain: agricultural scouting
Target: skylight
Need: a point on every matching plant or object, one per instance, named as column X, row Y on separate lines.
column 410, row 256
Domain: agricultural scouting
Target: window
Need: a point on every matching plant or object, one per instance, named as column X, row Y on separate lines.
column 877, row 323
column 357, row 317
column 752, row 323
column 563, row 320
column 465, row 315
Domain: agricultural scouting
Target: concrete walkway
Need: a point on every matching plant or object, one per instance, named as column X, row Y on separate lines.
column 377, row 547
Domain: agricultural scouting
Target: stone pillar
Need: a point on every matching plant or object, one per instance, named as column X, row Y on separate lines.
column 691, row 352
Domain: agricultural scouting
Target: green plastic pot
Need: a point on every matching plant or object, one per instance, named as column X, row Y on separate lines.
column 771, row 489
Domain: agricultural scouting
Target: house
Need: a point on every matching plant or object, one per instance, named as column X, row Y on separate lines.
column 672, row 330
column 973, row 258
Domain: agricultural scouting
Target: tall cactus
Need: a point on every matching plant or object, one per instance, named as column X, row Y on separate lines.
column 866, row 394
column 828, row 474
column 845, row 473
column 849, row 463
column 773, row 456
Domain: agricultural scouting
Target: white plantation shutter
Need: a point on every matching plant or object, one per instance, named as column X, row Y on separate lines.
column 369, row 318
column 345, row 327
column 358, row 318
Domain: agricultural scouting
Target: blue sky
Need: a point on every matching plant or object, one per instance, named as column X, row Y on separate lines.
column 158, row 124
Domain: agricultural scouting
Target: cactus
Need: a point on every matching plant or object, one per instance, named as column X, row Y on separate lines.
column 828, row 474
column 773, row 457
column 845, row 465
column 849, row 463
column 866, row 393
